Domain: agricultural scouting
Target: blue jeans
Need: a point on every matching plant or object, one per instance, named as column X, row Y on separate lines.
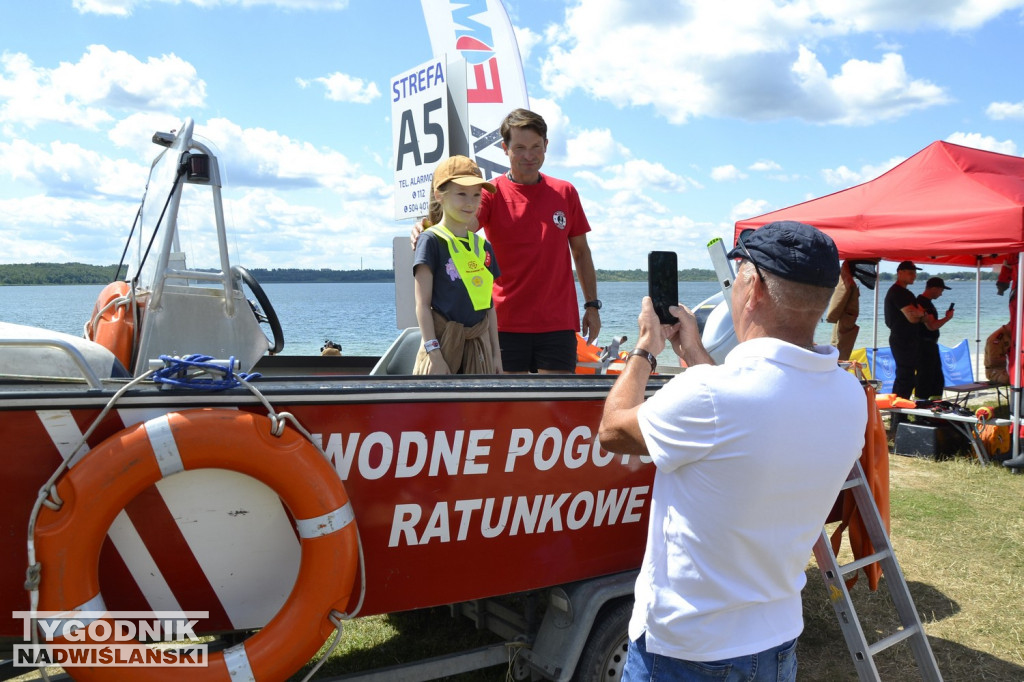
column 777, row 664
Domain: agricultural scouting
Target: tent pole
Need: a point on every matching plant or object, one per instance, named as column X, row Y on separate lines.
column 1017, row 460
column 874, row 326
column 977, row 321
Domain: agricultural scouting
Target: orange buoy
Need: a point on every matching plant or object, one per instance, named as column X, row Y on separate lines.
column 95, row 490
column 112, row 324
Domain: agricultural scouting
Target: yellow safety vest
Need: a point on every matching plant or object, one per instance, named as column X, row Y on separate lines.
column 469, row 262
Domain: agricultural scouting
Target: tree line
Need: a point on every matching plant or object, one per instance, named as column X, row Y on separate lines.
column 82, row 273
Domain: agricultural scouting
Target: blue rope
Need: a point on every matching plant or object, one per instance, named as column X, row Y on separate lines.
column 193, row 371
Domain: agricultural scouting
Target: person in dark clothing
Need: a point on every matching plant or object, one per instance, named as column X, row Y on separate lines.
column 930, row 379
column 903, row 318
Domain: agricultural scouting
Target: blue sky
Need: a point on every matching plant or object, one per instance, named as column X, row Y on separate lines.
column 674, row 119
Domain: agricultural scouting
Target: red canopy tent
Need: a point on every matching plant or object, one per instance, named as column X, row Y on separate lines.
column 945, row 204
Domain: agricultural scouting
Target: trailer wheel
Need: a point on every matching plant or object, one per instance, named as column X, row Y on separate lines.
column 604, row 655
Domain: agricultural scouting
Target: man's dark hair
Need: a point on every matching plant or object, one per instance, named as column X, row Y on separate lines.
column 525, row 119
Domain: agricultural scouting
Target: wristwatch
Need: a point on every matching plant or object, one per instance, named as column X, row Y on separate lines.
column 641, row 353
column 596, row 303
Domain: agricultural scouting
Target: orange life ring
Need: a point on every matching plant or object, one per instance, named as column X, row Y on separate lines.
column 96, row 489
column 113, row 327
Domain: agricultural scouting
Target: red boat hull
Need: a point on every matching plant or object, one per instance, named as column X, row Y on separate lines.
column 461, row 490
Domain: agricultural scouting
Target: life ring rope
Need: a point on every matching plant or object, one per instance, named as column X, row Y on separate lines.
column 168, row 444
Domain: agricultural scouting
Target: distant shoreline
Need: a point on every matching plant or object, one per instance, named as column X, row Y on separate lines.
column 42, row 274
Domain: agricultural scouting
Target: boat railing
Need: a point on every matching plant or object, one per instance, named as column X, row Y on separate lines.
column 76, row 356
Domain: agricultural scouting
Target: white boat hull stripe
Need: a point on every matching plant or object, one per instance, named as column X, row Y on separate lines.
column 237, row 662
column 326, row 523
column 164, row 448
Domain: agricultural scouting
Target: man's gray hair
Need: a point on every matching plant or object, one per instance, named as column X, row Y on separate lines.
column 802, row 299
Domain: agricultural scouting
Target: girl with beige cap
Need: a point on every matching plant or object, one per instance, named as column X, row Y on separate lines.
column 454, row 271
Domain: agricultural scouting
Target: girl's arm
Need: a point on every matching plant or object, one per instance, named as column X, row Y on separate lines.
column 492, row 320
column 424, row 281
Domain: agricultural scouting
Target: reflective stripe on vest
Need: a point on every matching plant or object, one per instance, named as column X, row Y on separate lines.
column 469, row 262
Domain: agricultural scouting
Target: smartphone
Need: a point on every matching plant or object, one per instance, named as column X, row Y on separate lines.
column 951, row 307
column 663, row 283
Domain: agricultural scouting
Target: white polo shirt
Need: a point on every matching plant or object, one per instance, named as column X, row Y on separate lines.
column 750, row 458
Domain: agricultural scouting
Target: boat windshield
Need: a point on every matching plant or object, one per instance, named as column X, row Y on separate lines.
column 160, row 184
column 165, row 196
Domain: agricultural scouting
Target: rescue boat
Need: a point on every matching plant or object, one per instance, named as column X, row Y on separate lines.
column 173, row 459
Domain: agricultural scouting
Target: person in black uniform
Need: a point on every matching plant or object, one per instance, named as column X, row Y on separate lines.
column 903, row 318
column 930, row 379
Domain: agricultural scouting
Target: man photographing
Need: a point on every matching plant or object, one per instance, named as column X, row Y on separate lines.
column 750, row 456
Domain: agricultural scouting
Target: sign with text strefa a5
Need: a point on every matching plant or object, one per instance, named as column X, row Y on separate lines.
column 419, row 123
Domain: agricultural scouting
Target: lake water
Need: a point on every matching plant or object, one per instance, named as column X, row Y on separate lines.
column 361, row 317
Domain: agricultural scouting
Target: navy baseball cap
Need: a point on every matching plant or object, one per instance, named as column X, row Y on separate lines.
column 794, row 251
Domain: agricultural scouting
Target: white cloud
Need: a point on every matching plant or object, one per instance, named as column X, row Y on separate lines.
column 764, row 166
column 748, row 208
column 952, row 15
column 526, row 40
column 309, row 237
column 135, row 132
column 249, row 157
column 986, row 142
column 257, row 157
column 622, row 236
column 637, row 176
column 593, row 148
column 124, row 8
column 1000, row 111
column 69, row 170
column 344, row 88
column 558, row 126
column 726, row 173
column 62, row 229
column 846, row 177
column 745, row 59
column 80, row 94
column 864, row 92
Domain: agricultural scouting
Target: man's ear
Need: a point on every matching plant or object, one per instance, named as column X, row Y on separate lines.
column 757, row 291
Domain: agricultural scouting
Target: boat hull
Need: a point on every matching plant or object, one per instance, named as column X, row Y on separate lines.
column 462, row 488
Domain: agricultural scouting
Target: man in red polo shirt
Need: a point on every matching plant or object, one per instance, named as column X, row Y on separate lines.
column 538, row 229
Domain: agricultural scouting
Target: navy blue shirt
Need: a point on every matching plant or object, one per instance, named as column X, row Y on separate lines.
column 449, row 296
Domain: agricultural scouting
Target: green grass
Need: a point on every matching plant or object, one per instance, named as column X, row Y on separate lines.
column 958, row 536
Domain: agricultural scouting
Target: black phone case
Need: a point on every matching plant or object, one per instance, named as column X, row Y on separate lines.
column 663, row 283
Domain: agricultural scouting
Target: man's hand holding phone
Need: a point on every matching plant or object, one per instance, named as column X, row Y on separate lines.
column 663, row 283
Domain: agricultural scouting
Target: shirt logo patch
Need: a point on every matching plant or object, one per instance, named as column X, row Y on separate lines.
column 451, row 270
column 559, row 218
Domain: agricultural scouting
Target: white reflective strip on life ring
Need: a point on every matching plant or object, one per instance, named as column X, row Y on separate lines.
column 237, row 662
column 75, row 618
column 326, row 523
column 164, row 448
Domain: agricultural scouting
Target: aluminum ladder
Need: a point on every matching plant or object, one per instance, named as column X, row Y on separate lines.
column 862, row 652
